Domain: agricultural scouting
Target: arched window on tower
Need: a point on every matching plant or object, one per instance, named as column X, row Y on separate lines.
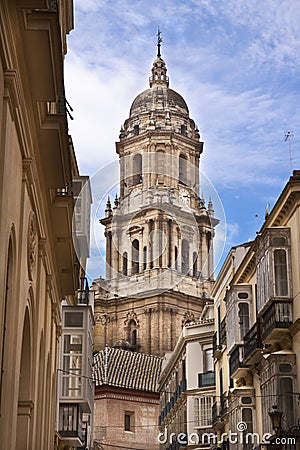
column 125, row 264
column 185, row 256
column 135, row 256
column 195, row 257
column 145, row 258
column 137, row 177
column 182, row 169
column 176, row 258
column 132, row 333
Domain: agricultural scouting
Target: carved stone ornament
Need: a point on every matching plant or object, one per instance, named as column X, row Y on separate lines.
column 131, row 316
column 188, row 318
column 31, row 245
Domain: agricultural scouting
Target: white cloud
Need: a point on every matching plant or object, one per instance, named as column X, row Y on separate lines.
column 235, row 63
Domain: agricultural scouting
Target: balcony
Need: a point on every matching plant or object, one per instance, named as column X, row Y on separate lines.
column 206, row 379
column 70, row 424
column 172, row 402
column 253, row 344
column 236, row 360
column 276, row 320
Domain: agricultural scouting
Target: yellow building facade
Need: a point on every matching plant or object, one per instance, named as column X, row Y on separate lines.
column 38, row 264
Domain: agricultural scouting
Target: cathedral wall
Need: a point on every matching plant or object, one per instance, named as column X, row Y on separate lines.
column 159, row 321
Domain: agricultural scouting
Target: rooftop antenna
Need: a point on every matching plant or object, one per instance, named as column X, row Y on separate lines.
column 159, row 41
column 287, row 137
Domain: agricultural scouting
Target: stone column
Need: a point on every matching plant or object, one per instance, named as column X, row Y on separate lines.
column 171, row 249
column 165, row 243
column 108, row 254
column 210, row 256
column 114, row 255
column 156, row 244
column 204, row 254
column 150, row 246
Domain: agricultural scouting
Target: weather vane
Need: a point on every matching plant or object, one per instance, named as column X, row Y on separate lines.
column 159, row 41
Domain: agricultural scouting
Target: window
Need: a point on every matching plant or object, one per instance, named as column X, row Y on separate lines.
column 280, row 272
column 145, row 258
column 182, row 169
column 247, row 418
column 137, row 169
column 132, row 332
column 183, row 130
column 185, row 256
column 285, row 368
column 195, row 256
column 134, row 337
column 136, row 130
column 125, row 264
column 72, row 365
column 208, row 360
column 183, row 369
column 221, row 381
column 129, row 421
column 135, row 256
column 286, row 401
column 243, row 319
column 202, row 411
column 74, row 319
column 176, row 257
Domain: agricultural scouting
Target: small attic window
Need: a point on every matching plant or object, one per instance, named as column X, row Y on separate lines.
column 136, row 130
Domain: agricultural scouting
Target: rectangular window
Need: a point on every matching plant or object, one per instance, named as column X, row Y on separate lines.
column 247, row 418
column 129, row 421
column 280, row 272
column 202, row 412
column 286, row 401
column 72, row 365
column 73, row 319
column 243, row 319
column 208, row 360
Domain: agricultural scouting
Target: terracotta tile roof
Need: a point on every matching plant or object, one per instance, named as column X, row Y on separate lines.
column 126, row 369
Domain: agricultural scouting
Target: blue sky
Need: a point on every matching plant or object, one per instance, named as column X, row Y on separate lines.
column 236, row 63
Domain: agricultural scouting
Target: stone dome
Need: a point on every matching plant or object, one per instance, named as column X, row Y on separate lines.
column 159, row 108
column 159, row 97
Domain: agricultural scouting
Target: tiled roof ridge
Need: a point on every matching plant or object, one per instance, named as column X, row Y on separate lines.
column 126, row 369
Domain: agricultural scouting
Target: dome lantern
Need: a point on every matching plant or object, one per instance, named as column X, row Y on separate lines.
column 159, row 69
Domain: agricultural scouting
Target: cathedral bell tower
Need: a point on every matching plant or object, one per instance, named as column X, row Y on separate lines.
column 159, row 232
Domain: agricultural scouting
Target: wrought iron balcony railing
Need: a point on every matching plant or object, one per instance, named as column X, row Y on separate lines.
column 236, row 359
column 252, row 340
column 207, row 379
column 279, row 315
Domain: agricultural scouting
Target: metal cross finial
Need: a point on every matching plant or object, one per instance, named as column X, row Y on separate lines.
column 159, row 41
